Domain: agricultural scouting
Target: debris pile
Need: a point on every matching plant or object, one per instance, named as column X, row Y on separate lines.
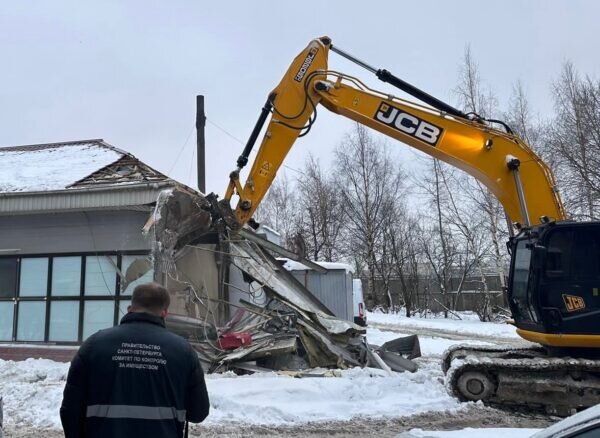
column 241, row 310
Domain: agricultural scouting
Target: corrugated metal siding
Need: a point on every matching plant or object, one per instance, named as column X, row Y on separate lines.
column 79, row 199
column 333, row 289
column 54, row 233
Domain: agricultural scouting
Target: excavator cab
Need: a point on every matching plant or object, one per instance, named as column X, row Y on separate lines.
column 554, row 284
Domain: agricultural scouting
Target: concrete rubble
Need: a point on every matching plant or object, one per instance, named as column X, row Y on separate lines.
column 238, row 306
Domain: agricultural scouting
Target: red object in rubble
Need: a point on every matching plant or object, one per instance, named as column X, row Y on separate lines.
column 233, row 340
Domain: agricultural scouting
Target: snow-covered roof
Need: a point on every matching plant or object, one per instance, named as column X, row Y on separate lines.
column 292, row 265
column 64, row 166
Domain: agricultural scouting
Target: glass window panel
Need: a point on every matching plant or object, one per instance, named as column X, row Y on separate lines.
column 64, row 320
column 123, row 304
column 66, row 276
column 32, row 319
column 33, row 281
column 97, row 315
column 137, row 269
column 7, row 310
column 100, row 275
column 8, row 277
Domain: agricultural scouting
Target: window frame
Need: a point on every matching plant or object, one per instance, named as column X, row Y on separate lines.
column 81, row 298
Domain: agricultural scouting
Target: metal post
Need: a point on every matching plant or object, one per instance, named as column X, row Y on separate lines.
column 200, row 143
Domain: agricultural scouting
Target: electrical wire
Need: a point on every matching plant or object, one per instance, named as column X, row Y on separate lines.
column 220, row 128
column 181, row 149
column 224, row 131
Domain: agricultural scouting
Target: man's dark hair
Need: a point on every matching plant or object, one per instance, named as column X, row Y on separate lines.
column 150, row 296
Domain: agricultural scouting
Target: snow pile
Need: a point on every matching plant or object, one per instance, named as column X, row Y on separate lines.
column 52, row 168
column 272, row 399
column 469, row 325
column 32, row 391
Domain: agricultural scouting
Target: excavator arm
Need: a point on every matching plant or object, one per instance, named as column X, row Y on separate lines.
column 501, row 161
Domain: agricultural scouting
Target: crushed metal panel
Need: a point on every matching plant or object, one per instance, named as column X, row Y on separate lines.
column 342, row 354
column 408, row 345
column 274, row 347
column 337, row 326
column 269, row 273
column 398, row 363
column 318, row 354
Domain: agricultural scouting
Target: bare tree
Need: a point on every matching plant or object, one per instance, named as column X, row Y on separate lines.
column 519, row 117
column 279, row 210
column 438, row 243
column 574, row 140
column 369, row 183
column 403, row 237
column 321, row 211
column 469, row 223
column 473, row 97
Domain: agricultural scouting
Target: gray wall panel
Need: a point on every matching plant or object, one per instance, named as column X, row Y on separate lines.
column 333, row 289
column 73, row 232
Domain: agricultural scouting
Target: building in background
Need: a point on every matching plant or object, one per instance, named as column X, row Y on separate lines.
column 71, row 216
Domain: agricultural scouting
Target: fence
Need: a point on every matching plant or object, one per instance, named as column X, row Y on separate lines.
column 427, row 293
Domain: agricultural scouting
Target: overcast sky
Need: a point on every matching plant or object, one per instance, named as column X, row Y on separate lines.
column 129, row 71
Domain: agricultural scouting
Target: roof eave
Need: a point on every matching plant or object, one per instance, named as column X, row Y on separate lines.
column 107, row 187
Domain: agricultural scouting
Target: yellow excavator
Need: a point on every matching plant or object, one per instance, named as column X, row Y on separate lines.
column 554, row 279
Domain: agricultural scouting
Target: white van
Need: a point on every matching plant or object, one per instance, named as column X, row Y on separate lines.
column 360, row 312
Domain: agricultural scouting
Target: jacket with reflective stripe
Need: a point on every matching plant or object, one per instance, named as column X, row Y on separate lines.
column 137, row 379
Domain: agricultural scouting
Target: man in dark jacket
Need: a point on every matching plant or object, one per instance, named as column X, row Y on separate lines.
column 136, row 379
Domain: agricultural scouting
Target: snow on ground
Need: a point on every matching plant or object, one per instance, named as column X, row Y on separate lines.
column 32, row 392
column 469, row 325
column 471, row 433
column 272, row 399
column 32, row 389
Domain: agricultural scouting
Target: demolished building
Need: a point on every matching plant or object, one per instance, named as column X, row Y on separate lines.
column 239, row 307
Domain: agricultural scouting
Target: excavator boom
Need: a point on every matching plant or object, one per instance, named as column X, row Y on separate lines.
column 520, row 180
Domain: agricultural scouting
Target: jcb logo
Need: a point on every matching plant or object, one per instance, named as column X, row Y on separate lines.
column 573, row 302
column 408, row 123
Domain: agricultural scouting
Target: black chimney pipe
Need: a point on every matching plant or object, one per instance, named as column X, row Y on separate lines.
column 200, row 143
